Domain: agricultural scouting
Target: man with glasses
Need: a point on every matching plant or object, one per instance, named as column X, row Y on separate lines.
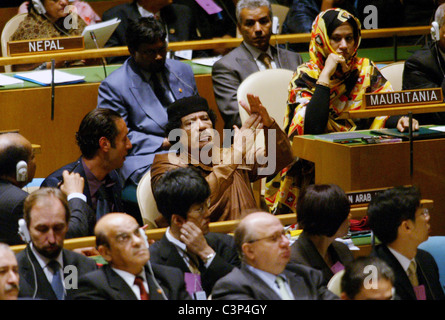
column 140, row 90
column 182, row 197
column 400, row 223
column 266, row 273
column 128, row 275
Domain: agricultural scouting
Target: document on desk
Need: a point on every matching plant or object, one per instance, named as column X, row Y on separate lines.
column 102, row 32
column 7, row 80
column 207, row 61
column 44, row 77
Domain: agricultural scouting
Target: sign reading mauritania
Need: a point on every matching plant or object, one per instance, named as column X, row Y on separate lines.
column 403, row 98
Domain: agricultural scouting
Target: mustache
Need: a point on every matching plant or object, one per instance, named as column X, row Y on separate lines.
column 11, row 286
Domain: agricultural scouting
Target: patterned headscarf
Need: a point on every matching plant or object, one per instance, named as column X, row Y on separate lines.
column 346, row 90
column 346, row 94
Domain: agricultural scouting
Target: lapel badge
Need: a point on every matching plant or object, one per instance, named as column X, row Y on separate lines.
column 172, row 31
column 180, row 90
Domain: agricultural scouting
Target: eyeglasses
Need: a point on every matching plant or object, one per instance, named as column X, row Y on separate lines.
column 425, row 212
column 276, row 237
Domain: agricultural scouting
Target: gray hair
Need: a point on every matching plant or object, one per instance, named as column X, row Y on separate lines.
column 6, row 247
column 251, row 4
column 439, row 16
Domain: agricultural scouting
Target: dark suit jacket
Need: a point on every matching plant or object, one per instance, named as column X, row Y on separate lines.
column 44, row 290
column 304, row 252
column 53, row 180
column 425, row 69
column 178, row 18
column 214, row 25
column 105, row 284
column 12, row 199
column 243, row 284
column 229, row 71
column 165, row 253
column 427, row 273
column 11, row 210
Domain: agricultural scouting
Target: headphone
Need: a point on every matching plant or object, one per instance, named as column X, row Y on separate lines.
column 23, row 231
column 26, row 237
column 21, row 171
column 435, row 36
column 38, row 5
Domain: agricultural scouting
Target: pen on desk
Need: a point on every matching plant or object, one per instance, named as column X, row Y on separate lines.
column 347, row 141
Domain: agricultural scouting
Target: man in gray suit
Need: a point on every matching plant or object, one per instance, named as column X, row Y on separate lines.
column 254, row 18
column 140, row 90
column 265, row 273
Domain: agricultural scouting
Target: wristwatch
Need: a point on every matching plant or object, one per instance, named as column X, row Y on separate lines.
column 210, row 256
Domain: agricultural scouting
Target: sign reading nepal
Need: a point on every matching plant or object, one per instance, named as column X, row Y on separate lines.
column 406, row 97
column 61, row 44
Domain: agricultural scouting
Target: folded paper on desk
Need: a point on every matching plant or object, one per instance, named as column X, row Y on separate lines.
column 7, row 80
column 102, row 31
column 422, row 134
column 44, row 77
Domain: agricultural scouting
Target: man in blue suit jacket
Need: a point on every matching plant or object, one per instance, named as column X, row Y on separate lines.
column 130, row 90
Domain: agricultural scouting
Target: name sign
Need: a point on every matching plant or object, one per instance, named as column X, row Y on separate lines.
column 401, row 98
column 24, row 47
column 362, row 197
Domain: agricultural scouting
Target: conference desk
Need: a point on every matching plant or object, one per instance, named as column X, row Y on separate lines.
column 356, row 167
column 27, row 107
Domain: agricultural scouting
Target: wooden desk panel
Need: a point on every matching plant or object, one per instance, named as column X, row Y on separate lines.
column 363, row 167
column 29, row 111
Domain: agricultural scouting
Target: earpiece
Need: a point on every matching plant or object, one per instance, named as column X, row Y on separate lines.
column 23, row 231
column 144, row 236
column 435, row 36
column 275, row 25
column 22, row 171
column 160, row 291
column 38, row 5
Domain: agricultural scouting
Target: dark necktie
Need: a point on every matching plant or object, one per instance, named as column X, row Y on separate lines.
column 56, row 283
column 140, row 283
column 104, row 201
column 264, row 58
column 162, row 91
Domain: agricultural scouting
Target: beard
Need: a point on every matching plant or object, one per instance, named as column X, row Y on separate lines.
column 50, row 252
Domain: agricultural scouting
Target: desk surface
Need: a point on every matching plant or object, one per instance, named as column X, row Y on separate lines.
column 356, row 167
column 95, row 74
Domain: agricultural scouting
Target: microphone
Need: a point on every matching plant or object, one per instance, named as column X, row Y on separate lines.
column 93, row 36
column 53, row 64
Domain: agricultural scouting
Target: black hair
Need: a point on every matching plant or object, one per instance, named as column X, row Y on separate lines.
column 97, row 123
column 356, row 272
column 321, row 209
column 10, row 156
column 178, row 190
column 389, row 208
column 144, row 30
